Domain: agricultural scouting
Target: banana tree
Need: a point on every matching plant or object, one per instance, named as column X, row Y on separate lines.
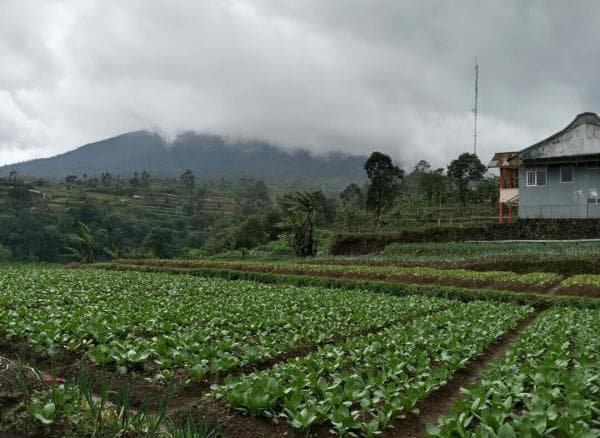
column 83, row 245
column 299, row 221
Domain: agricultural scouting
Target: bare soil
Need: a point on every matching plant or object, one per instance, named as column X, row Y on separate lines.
column 580, row 291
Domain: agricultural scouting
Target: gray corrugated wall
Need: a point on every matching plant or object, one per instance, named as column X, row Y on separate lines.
column 560, row 200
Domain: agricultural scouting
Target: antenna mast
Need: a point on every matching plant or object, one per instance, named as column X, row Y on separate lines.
column 475, row 108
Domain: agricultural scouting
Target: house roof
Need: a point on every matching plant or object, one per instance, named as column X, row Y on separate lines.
column 581, row 119
column 505, row 159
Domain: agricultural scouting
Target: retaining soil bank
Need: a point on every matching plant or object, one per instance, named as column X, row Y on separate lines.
column 523, row 229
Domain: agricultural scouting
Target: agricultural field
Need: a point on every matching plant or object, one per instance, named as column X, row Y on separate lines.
column 92, row 352
column 162, row 323
column 483, row 251
column 548, row 384
column 537, row 282
column 365, row 383
column 565, row 258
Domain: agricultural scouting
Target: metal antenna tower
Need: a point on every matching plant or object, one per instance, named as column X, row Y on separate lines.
column 475, row 108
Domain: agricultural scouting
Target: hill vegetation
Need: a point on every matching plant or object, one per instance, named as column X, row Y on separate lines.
column 87, row 217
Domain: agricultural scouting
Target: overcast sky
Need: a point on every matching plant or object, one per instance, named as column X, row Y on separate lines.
column 395, row 76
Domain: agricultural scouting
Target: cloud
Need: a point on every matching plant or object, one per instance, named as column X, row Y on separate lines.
column 348, row 75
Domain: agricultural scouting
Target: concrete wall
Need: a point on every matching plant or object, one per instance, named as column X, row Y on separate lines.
column 557, row 199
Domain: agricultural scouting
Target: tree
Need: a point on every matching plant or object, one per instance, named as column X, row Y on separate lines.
column 188, row 180
column 83, row 245
column 487, row 190
column 353, row 195
column 249, row 233
column 4, row 254
column 135, row 181
column 145, row 179
column 300, row 212
column 433, row 184
column 70, row 180
column 194, row 205
column 384, row 178
column 271, row 218
column 326, row 209
column 422, row 166
column 160, row 242
column 464, row 171
column 19, row 196
column 251, row 196
column 106, row 179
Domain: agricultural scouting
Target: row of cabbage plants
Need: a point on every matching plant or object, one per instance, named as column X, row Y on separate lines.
column 162, row 322
column 582, row 280
column 363, row 384
column 547, row 385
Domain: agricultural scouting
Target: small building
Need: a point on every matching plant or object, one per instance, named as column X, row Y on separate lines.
column 558, row 177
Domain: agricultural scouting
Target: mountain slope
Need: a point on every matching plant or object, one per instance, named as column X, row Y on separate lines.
column 207, row 156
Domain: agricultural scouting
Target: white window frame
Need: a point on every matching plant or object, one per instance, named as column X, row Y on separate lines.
column 534, row 171
column 572, row 173
column 534, row 178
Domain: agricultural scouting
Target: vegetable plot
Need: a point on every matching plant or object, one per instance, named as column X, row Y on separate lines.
column 548, row 384
column 163, row 323
column 582, row 280
column 377, row 272
column 363, row 384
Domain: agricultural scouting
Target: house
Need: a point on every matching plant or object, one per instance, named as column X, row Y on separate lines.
column 558, row 177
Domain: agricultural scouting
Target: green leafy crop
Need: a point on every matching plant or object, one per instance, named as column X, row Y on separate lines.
column 160, row 323
column 359, row 386
column 548, row 384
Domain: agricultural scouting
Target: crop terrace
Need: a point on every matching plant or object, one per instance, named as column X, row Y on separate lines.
column 365, row 271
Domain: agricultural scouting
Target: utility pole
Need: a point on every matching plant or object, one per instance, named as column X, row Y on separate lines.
column 475, row 108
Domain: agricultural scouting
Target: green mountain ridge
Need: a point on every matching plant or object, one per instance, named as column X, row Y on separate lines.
column 208, row 156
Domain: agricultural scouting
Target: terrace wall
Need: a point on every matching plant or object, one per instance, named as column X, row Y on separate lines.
column 524, row 229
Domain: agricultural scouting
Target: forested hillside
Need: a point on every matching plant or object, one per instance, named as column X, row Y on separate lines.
column 87, row 217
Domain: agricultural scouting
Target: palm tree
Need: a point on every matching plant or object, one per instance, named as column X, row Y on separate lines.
column 300, row 212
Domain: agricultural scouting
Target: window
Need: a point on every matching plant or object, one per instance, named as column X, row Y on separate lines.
column 593, row 165
column 567, row 174
column 536, row 176
column 541, row 177
column 592, row 201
